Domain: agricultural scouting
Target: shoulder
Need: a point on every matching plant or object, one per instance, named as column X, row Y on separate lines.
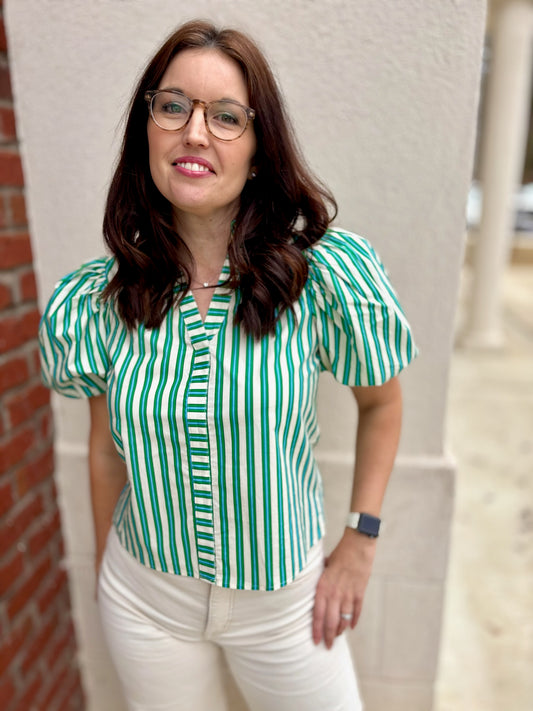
column 364, row 336
column 338, row 246
column 91, row 277
column 72, row 332
column 87, row 282
column 344, row 256
column 337, row 241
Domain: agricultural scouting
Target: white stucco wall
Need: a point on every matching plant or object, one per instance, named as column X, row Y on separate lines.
column 399, row 82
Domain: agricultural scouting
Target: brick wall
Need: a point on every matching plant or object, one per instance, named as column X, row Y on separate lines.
column 38, row 670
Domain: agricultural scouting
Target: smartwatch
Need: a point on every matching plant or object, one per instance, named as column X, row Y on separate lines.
column 364, row 523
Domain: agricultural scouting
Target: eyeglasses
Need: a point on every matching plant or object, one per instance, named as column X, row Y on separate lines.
column 171, row 110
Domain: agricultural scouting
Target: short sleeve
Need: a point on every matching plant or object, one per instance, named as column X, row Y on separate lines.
column 364, row 337
column 72, row 333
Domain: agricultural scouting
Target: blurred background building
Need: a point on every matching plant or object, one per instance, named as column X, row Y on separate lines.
column 500, row 202
column 487, row 643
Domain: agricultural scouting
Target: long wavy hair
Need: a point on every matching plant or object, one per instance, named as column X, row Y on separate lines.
column 282, row 211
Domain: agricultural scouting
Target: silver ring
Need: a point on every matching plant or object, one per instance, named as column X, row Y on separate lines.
column 346, row 616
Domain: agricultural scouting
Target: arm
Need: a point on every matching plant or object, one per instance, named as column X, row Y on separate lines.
column 342, row 585
column 107, row 473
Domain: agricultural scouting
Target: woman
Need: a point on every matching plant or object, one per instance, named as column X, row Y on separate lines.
column 199, row 343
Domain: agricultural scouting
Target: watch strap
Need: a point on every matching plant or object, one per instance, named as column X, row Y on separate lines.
column 364, row 523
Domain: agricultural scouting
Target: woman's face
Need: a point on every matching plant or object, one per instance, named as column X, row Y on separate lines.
column 197, row 173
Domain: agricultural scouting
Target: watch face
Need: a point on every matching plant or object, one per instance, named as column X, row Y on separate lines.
column 369, row 525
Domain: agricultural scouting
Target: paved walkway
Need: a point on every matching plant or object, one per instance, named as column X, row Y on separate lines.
column 487, row 647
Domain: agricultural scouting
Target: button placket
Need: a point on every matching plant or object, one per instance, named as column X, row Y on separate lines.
column 201, row 336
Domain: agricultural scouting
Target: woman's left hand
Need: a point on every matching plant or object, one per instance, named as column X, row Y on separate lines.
column 342, row 586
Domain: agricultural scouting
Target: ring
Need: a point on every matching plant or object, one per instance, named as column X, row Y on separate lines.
column 346, row 616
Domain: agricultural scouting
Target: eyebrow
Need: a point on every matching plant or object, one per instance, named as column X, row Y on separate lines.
column 172, row 88
column 180, row 91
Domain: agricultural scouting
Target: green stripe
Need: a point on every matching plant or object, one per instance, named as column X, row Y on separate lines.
column 249, row 389
column 162, row 450
column 235, row 460
column 266, row 477
column 136, row 472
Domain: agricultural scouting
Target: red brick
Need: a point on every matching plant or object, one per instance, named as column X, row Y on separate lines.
column 35, row 361
column 10, row 333
column 5, row 83
column 16, row 449
column 25, row 703
column 55, row 690
column 26, row 591
column 53, row 591
column 5, row 296
column 17, row 204
column 30, row 324
column 11, row 169
column 11, row 571
column 13, row 373
column 16, row 330
column 35, row 471
column 12, row 643
column 6, row 498
column 22, row 407
column 28, row 287
column 12, row 530
column 3, row 38
column 15, row 250
column 44, row 535
column 7, row 692
column 38, row 645
column 7, row 124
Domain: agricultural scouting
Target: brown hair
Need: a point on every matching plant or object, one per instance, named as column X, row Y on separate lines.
column 282, row 211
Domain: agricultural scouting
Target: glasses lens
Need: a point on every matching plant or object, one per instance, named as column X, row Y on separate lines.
column 226, row 120
column 170, row 111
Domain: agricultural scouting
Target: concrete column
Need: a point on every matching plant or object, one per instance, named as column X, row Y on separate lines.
column 396, row 149
column 502, row 158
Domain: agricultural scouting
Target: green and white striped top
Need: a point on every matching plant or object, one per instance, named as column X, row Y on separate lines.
column 217, row 429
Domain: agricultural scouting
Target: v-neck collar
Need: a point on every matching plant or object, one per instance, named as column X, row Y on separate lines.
column 200, row 331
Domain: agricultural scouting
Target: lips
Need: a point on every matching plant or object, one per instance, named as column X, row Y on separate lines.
column 193, row 165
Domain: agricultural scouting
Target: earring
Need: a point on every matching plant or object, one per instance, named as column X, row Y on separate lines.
column 253, row 175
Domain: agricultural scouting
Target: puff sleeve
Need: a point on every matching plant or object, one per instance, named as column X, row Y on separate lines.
column 72, row 333
column 364, row 337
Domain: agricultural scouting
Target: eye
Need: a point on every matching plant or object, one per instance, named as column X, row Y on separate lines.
column 173, row 107
column 226, row 117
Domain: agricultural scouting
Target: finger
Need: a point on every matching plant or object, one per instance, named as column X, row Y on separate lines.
column 358, row 606
column 331, row 622
column 345, row 620
column 319, row 612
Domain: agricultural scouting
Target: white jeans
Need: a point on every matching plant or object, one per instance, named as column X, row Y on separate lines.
column 165, row 633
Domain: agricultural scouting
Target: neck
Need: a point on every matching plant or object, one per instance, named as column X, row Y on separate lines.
column 205, row 237
column 207, row 242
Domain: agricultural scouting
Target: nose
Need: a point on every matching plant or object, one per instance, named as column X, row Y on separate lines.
column 195, row 132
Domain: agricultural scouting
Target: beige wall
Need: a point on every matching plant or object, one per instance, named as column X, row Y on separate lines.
column 399, row 82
